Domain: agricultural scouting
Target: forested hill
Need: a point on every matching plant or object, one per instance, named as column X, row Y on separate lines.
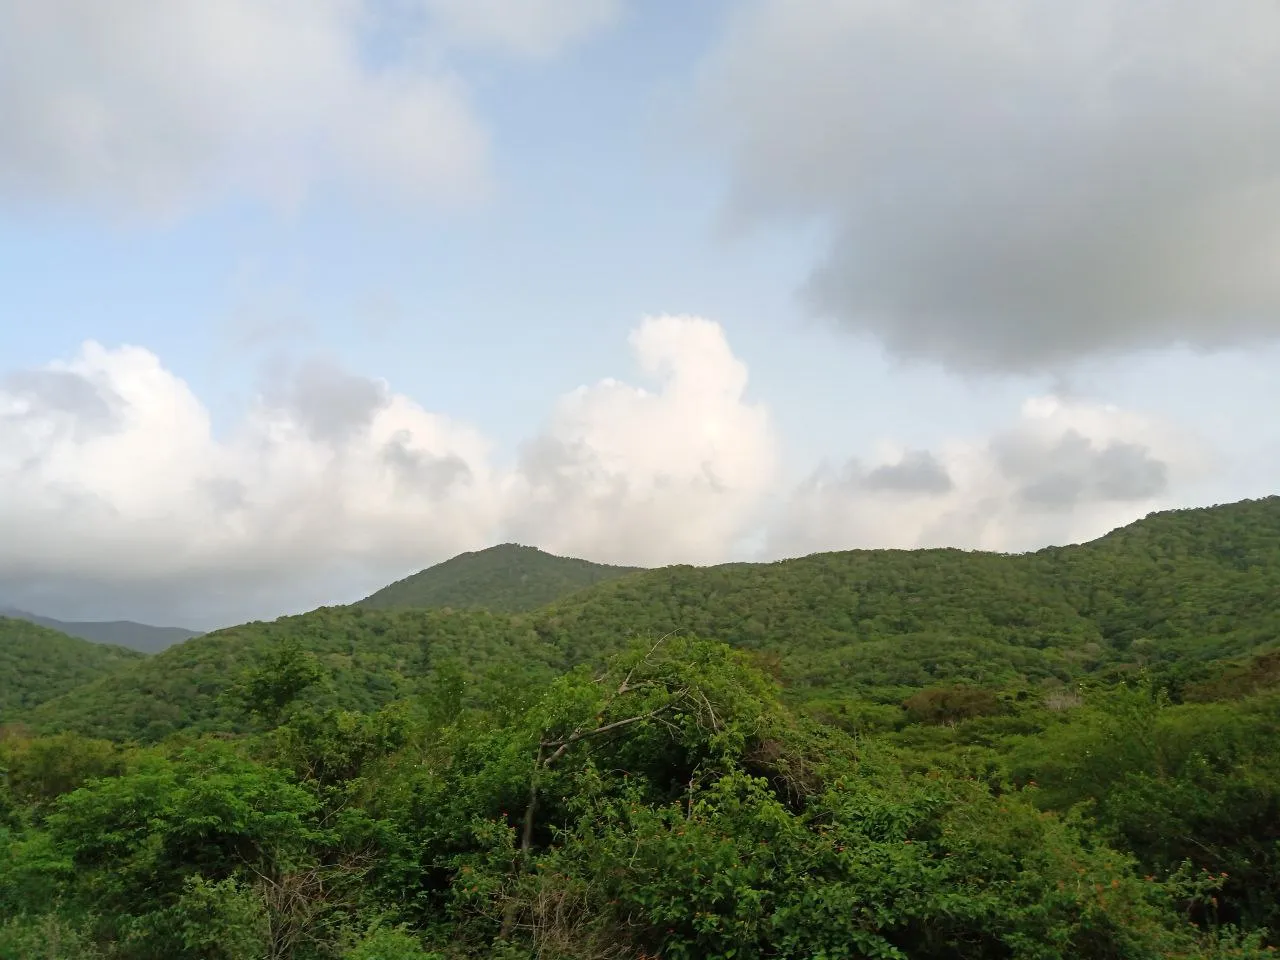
column 1198, row 583
column 368, row 658
column 872, row 625
column 508, row 578
column 121, row 633
column 1171, row 591
column 37, row 664
column 1241, row 534
column 928, row 781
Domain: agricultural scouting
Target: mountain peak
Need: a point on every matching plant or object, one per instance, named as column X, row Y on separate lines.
column 506, row 578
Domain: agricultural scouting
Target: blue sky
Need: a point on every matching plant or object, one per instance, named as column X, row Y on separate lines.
column 645, row 283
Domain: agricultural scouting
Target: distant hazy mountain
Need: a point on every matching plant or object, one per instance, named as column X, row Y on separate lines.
column 508, row 578
column 120, row 633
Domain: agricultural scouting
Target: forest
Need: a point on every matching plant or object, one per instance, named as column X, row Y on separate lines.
column 1073, row 753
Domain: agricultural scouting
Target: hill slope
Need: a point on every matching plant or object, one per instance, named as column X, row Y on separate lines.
column 38, row 664
column 508, row 578
column 369, row 658
column 1173, row 593
column 121, row 633
column 1173, row 589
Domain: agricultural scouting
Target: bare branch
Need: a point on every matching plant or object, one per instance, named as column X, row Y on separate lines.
column 626, row 681
column 562, row 745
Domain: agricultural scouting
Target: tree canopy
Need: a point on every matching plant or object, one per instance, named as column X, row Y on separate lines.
column 38, row 664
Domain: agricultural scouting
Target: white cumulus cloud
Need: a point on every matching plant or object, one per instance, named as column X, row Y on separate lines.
column 117, row 498
column 631, row 476
column 1065, row 471
column 112, row 481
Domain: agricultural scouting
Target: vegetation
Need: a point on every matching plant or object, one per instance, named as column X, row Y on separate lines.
column 508, row 578
column 118, row 633
column 365, row 659
column 845, row 632
column 37, row 664
column 916, row 755
column 669, row 805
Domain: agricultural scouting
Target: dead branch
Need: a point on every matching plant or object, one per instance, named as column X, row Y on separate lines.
column 561, row 746
column 626, row 681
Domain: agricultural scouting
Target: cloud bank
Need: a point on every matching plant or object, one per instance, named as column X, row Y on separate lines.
column 119, row 498
column 1065, row 471
column 1015, row 184
column 115, row 488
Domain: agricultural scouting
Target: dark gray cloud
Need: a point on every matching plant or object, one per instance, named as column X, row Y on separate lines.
column 919, row 471
column 1127, row 471
column 334, row 405
column 91, row 408
column 420, row 471
column 1017, row 185
column 558, row 469
column 1074, row 470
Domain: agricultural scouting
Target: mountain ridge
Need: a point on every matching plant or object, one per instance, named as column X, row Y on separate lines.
column 142, row 637
column 839, row 627
column 504, row 578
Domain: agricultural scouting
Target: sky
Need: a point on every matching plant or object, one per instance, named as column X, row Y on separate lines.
column 300, row 296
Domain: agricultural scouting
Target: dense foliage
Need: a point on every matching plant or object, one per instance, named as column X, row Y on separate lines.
column 1171, row 593
column 669, row 805
column 120, row 633
column 38, row 664
column 915, row 755
column 366, row 658
column 849, row 632
column 508, row 578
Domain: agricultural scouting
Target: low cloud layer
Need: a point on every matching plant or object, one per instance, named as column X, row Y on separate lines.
column 1065, row 471
column 153, row 108
column 119, row 499
column 1015, row 185
column 149, row 496
column 115, row 491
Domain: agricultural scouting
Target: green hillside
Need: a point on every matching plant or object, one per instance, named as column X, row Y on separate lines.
column 1195, row 584
column 38, row 664
column 1170, row 592
column 369, row 658
column 121, row 633
column 874, row 625
column 1066, row 755
column 508, row 578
